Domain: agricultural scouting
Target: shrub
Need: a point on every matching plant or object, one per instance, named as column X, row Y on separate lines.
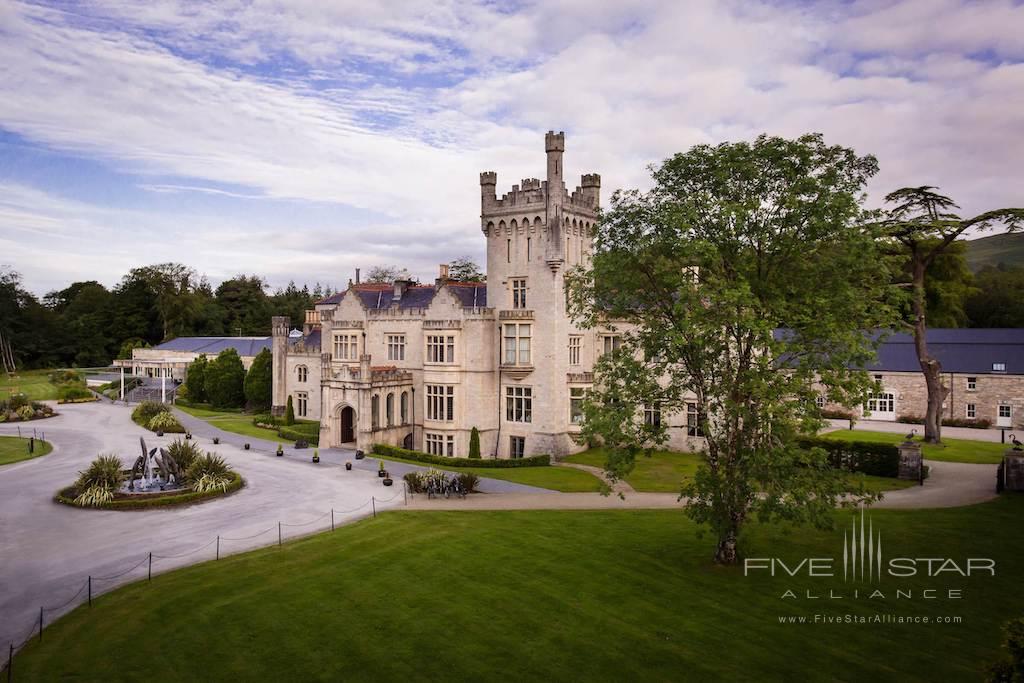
column 474, row 444
column 26, row 412
column 73, row 393
column 105, row 471
column 878, row 459
column 94, row 497
column 469, row 481
column 412, row 481
column 289, row 413
column 294, row 433
column 972, row 423
column 212, row 482
column 64, row 377
column 1011, row 667
column 417, row 456
column 147, row 410
column 184, row 453
column 165, row 422
column 208, row 464
column 17, row 401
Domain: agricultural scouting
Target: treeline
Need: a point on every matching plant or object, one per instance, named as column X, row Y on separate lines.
column 88, row 325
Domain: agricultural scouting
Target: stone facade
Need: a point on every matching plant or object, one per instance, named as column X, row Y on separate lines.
column 997, row 398
column 420, row 366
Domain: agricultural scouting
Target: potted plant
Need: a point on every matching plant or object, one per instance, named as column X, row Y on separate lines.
column 188, row 436
column 360, row 455
column 316, row 455
column 381, row 472
column 387, row 479
column 246, row 446
column 216, row 440
column 280, row 450
column 348, row 465
column 159, row 432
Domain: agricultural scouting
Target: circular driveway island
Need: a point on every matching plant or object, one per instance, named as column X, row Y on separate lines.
column 48, row 550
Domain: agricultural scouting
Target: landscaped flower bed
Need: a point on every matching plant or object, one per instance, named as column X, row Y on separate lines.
column 142, row 501
column 156, row 417
column 19, row 408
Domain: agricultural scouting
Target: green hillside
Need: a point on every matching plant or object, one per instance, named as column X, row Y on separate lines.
column 991, row 250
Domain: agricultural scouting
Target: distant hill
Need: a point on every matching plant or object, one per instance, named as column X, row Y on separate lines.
column 990, row 251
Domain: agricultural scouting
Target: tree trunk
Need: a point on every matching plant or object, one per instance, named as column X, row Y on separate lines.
column 726, row 552
column 931, row 367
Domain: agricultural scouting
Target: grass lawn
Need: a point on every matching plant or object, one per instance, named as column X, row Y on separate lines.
column 234, row 422
column 34, row 383
column 13, row 449
column 547, row 595
column 665, row 471
column 951, row 450
column 554, row 478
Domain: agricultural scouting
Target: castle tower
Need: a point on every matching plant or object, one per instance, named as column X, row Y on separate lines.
column 280, row 325
column 535, row 233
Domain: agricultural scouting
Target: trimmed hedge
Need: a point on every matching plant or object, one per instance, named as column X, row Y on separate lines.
column 145, row 501
column 293, row 434
column 971, row 423
column 866, row 457
column 418, row 456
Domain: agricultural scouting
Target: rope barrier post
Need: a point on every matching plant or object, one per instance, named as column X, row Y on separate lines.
column 405, row 492
column 90, row 591
column 332, row 519
column 218, row 547
column 149, row 572
column 10, row 662
column 279, row 534
column 41, row 624
column 373, row 501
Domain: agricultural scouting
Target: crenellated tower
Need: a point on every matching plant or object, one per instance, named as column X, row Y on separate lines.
column 535, row 234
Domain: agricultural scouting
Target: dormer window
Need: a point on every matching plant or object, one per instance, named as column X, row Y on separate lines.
column 999, row 367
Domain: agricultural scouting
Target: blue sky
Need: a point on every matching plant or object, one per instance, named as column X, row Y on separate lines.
column 302, row 139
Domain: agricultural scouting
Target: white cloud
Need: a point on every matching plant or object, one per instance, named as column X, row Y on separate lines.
column 352, row 115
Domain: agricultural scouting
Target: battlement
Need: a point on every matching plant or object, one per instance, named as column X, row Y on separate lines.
column 554, row 142
column 591, row 180
column 488, row 178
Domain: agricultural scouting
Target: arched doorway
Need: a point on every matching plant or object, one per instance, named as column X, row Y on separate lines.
column 348, row 424
column 407, row 442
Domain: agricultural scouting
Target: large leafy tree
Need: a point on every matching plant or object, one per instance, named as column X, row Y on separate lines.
column 247, row 309
column 386, row 274
column 923, row 225
column 225, row 380
column 258, row 381
column 732, row 243
column 465, row 269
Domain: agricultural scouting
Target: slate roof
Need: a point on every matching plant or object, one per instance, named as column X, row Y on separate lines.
column 379, row 296
column 311, row 340
column 211, row 346
column 964, row 351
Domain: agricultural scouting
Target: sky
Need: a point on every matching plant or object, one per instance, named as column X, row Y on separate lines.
column 302, row 139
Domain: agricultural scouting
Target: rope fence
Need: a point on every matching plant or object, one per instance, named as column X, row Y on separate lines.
column 38, row 626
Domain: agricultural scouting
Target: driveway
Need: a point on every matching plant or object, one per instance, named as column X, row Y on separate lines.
column 47, row 549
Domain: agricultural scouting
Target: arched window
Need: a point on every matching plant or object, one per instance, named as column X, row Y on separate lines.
column 404, row 407
column 303, row 373
column 389, row 410
column 375, row 412
column 513, row 225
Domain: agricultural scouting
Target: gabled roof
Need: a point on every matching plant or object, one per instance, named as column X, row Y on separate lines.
column 963, row 351
column 211, row 346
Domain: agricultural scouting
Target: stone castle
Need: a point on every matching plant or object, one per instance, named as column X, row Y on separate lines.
column 421, row 366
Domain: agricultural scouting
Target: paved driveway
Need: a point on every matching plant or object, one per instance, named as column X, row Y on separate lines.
column 47, row 550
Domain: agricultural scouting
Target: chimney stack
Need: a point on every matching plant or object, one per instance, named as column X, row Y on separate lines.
column 357, row 276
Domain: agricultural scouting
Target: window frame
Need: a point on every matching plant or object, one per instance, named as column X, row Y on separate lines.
column 521, row 344
column 575, row 348
column 440, row 399
column 516, row 447
column 440, row 346
column 519, row 404
column 396, row 346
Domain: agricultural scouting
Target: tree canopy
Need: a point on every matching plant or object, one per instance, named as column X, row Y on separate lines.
column 225, row 380
column 258, row 382
column 732, row 243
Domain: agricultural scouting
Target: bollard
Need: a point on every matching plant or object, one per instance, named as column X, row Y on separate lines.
column 40, row 624
column 1002, row 435
column 405, row 492
column 218, row 548
column 90, row 591
column 149, row 573
column 279, row 534
column 10, row 662
column 373, row 502
column 332, row 519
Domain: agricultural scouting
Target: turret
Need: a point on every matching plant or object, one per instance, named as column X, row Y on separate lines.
column 488, row 191
column 279, row 359
column 591, row 184
column 554, row 145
